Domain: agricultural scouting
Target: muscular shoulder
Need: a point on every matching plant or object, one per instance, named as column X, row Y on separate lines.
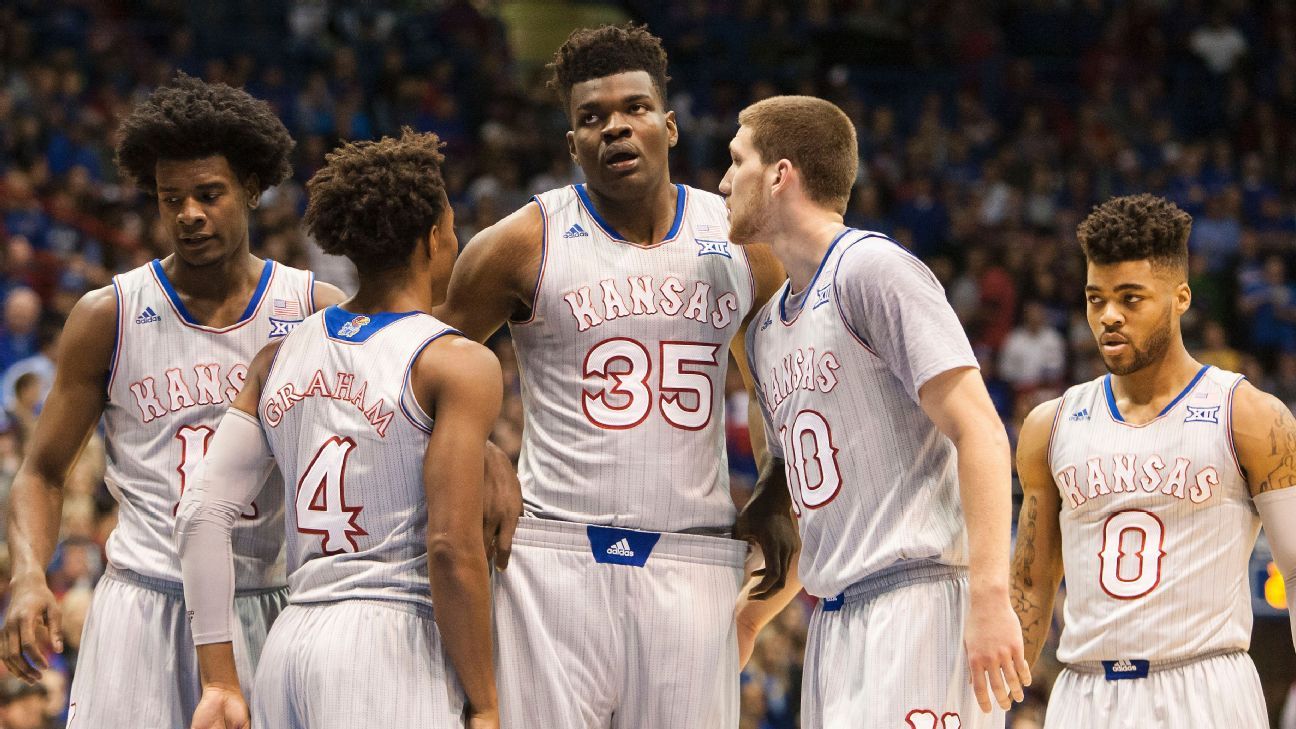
column 515, row 240
column 1264, row 433
column 91, row 328
column 456, row 363
column 1036, row 430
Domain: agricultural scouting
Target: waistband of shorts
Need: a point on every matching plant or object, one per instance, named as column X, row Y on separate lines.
column 1097, row 668
column 574, row 536
column 405, row 606
column 171, row 587
column 910, row 572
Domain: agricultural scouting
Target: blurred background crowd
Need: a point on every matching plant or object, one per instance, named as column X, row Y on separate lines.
column 987, row 128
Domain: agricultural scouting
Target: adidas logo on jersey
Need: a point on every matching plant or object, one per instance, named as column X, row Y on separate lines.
column 621, row 549
column 1081, row 414
column 576, row 231
column 147, row 316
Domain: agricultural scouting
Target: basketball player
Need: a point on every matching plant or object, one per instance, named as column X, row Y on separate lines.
column 880, row 423
column 384, row 510
column 624, row 298
column 160, row 354
column 1144, row 486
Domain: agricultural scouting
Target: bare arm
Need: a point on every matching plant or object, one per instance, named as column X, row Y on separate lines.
column 959, row 406
column 1037, row 560
column 460, row 381
column 325, row 295
column 75, row 402
column 496, row 275
column 1264, row 434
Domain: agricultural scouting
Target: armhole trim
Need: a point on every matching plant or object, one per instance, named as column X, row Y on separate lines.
column 1057, row 418
column 117, row 341
column 1228, row 426
column 544, row 260
column 407, row 391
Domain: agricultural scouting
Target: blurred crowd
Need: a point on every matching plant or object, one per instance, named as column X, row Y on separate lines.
column 987, row 130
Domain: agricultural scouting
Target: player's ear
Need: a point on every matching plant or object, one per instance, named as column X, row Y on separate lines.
column 1183, row 297
column 428, row 246
column 782, row 176
column 571, row 146
column 672, row 129
column 252, row 186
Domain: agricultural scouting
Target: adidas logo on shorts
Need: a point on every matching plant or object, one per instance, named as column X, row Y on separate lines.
column 621, row 549
column 1123, row 666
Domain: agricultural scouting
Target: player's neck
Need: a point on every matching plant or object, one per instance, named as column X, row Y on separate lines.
column 394, row 291
column 232, row 277
column 801, row 241
column 642, row 220
column 1158, row 383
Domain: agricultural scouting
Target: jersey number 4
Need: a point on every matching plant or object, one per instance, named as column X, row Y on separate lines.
column 321, row 499
column 193, row 448
column 811, row 458
column 1132, row 550
column 617, row 394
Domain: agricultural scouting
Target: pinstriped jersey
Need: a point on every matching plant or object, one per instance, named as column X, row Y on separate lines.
column 1157, row 525
column 350, row 438
column 171, row 381
column 838, row 369
column 623, row 367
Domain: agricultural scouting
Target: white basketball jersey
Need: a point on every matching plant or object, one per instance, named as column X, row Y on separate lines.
column 171, row 381
column 1157, row 525
column 838, row 368
column 623, row 368
column 350, row 439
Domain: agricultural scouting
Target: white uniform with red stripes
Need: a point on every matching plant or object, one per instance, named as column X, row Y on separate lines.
column 171, row 380
column 839, row 367
column 1157, row 531
column 617, row 607
column 358, row 644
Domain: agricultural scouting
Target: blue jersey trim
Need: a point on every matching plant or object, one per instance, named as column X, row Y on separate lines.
column 267, row 270
column 815, row 279
column 611, row 232
column 348, row 327
column 1115, row 411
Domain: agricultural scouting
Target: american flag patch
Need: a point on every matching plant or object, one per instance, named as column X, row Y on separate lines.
column 284, row 309
column 706, row 230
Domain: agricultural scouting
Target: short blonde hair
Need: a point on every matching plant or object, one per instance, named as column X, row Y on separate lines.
column 815, row 136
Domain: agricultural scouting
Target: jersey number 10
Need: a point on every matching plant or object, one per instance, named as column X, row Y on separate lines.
column 811, row 458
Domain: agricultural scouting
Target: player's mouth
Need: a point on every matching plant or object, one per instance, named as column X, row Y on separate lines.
column 1112, row 344
column 196, row 239
column 621, row 159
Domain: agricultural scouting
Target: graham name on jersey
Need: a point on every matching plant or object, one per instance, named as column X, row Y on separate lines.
column 800, row 369
column 607, row 300
column 203, row 384
column 275, row 405
column 1108, row 477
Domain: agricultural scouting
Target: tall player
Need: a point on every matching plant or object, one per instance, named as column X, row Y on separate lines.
column 160, row 354
column 624, row 297
column 384, row 506
column 880, row 423
column 1144, row 486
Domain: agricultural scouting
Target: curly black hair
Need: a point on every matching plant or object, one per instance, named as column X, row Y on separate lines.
column 373, row 201
column 191, row 119
column 1134, row 228
column 604, row 51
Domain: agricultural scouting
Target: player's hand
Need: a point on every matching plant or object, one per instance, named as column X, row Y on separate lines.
column 483, row 720
column 766, row 521
column 993, row 638
column 502, row 507
column 221, row 708
column 32, row 629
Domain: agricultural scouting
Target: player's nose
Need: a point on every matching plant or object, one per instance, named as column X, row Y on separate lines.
column 191, row 214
